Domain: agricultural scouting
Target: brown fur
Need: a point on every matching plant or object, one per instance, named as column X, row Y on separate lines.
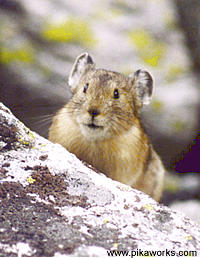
column 106, row 131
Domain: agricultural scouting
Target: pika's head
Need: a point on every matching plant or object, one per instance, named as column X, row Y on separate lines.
column 106, row 103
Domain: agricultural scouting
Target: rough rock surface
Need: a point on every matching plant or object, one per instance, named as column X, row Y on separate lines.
column 53, row 204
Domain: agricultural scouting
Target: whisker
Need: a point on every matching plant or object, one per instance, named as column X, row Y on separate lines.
column 43, row 122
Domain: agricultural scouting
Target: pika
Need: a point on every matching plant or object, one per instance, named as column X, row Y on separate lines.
column 101, row 125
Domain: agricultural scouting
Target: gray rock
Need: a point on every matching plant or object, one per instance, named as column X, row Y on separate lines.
column 53, row 204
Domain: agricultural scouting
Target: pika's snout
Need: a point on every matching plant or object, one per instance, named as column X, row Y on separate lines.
column 94, row 112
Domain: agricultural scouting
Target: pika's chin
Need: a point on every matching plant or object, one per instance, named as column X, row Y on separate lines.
column 94, row 132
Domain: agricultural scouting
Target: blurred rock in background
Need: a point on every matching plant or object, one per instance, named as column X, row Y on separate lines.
column 40, row 39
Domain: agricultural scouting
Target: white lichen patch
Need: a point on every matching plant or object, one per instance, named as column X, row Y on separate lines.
column 89, row 251
column 21, row 249
column 38, row 199
column 15, row 174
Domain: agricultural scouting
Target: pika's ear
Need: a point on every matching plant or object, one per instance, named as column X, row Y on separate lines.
column 81, row 65
column 143, row 84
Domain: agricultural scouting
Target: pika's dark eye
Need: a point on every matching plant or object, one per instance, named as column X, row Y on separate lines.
column 85, row 87
column 116, row 94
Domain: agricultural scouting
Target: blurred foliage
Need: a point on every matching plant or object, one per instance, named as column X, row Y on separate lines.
column 157, row 105
column 174, row 71
column 116, row 12
column 123, row 6
column 150, row 50
column 178, row 125
column 72, row 30
column 23, row 54
column 112, row 13
column 170, row 21
column 172, row 183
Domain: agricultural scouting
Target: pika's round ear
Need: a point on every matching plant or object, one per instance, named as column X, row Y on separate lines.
column 143, row 84
column 82, row 64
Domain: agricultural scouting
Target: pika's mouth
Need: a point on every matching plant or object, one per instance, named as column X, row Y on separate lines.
column 93, row 126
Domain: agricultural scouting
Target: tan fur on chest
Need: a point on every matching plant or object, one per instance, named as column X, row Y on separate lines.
column 121, row 157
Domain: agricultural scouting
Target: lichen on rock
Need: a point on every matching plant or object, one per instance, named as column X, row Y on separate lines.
column 52, row 204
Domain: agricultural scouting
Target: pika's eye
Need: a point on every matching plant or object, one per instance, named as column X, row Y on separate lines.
column 85, row 87
column 116, row 94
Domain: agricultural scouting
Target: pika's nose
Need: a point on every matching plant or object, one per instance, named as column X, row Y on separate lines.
column 93, row 112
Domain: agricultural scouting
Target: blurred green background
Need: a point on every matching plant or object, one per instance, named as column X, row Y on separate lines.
column 40, row 39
